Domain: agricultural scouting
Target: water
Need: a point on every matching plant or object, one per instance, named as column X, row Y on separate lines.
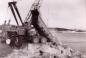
column 76, row 41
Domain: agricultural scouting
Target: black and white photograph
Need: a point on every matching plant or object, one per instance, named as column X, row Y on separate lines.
column 42, row 28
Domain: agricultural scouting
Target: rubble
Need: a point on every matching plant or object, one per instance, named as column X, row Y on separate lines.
column 44, row 51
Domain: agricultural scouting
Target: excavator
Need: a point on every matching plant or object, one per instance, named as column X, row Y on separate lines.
column 17, row 35
column 33, row 31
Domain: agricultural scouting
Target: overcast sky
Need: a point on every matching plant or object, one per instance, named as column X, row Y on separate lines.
column 55, row 13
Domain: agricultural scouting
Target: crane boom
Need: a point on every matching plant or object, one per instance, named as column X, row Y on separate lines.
column 35, row 18
column 35, row 5
column 14, row 8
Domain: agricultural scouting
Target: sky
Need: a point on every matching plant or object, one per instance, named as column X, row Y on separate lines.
column 55, row 13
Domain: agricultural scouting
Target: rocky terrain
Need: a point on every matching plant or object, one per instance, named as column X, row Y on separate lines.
column 70, row 39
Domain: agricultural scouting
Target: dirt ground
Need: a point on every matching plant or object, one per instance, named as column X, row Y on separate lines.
column 4, row 50
column 76, row 41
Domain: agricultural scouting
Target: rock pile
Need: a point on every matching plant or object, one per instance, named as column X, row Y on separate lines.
column 45, row 51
